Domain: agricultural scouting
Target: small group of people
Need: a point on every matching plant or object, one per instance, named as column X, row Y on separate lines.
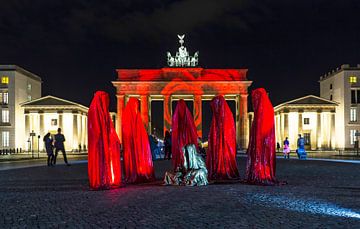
column 300, row 151
column 55, row 142
column 157, row 148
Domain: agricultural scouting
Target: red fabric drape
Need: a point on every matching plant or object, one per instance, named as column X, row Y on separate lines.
column 183, row 132
column 261, row 157
column 137, row 155
column 221, row 153
column 104, row 168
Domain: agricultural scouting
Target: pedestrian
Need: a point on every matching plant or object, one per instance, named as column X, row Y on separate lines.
column 286, row 148
column 153, row 146
column 301, row 147
column 167, row 145
column 278, row 146
column 48, row 142
column 59, row 146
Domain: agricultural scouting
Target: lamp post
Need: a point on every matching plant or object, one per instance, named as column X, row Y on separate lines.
column 32, row 134
column 38, row 146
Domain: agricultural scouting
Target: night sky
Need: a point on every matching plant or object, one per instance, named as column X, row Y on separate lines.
column 76, row 45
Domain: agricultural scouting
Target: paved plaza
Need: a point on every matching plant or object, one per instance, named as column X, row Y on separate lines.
column 319, row 194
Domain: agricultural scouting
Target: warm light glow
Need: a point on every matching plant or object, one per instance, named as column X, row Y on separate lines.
column 5, row 80
column 352, row 79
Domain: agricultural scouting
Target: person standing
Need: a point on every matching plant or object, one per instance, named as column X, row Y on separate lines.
column 48, row 141
column 167, row 144
column 286, row 148
column 301, row 147
column 59, row 146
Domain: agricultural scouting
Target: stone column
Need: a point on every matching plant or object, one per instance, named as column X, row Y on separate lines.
column 243, row 121
column 198, row 114
column 319, row 145
column 80, row 130
column 167, row 113
column 300, row 122
column 27, row 129
column 41, row 119
column 332, row 130
column 144, row 110
column 120, row 108
column 60, row 113
column 286, row 125
column 75, row 131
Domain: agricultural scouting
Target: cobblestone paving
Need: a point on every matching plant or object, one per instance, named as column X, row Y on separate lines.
column 318, row 195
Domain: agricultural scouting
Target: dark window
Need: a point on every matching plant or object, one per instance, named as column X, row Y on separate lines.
column 357, row 96
column 307, row 138
column 306, row 120
column 331, row 86
column 353, row 96
column 331, row 97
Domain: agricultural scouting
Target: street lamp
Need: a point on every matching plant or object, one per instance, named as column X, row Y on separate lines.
column 38, row 146
column 32, row 134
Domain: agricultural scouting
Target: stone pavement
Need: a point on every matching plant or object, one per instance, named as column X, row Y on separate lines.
column 318, row 195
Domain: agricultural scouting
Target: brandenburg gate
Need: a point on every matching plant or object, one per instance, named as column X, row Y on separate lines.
column 182, row 79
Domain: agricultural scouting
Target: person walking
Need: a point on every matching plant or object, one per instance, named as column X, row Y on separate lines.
column 48, row 142
column 59, row 146
column 286, row 148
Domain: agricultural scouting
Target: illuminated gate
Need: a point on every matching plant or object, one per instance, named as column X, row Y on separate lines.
column 188, row 83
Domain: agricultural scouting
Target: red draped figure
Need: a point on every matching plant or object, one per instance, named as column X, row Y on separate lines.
column 104, row 168
column 221, row 153
column 261, row 157
column 138, row 162
column 183, row 132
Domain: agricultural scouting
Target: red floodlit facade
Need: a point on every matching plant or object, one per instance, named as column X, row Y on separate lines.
column 195, row 84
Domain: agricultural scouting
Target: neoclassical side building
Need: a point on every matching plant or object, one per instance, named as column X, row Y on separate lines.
column 17, row 85
column 47, row 114
column 311, row 116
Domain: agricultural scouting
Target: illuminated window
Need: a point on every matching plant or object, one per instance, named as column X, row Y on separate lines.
column 54, row 122
column 307, row 138
column 353, row 114
column 306, row 121
column 352, row 79
column 352, row 136
column 5, row 98
column 29, row 87
column 29, row 97
column 5, row 80
column 5, row 138
column 5, row 116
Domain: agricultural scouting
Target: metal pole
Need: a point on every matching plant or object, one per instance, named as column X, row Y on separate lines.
column 32, row 146
column 38, row 146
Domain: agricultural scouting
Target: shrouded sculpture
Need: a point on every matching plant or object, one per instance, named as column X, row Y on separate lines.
column 189, row 166
column 261, row 157
column 183, row 132
column 138, row 164
column 221, row 153
column 104, row 168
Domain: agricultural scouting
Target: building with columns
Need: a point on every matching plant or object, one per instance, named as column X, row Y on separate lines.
column 47, row 114
column 17, row 86
column 342, row 85
column 312, row 117
column 182, row 79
